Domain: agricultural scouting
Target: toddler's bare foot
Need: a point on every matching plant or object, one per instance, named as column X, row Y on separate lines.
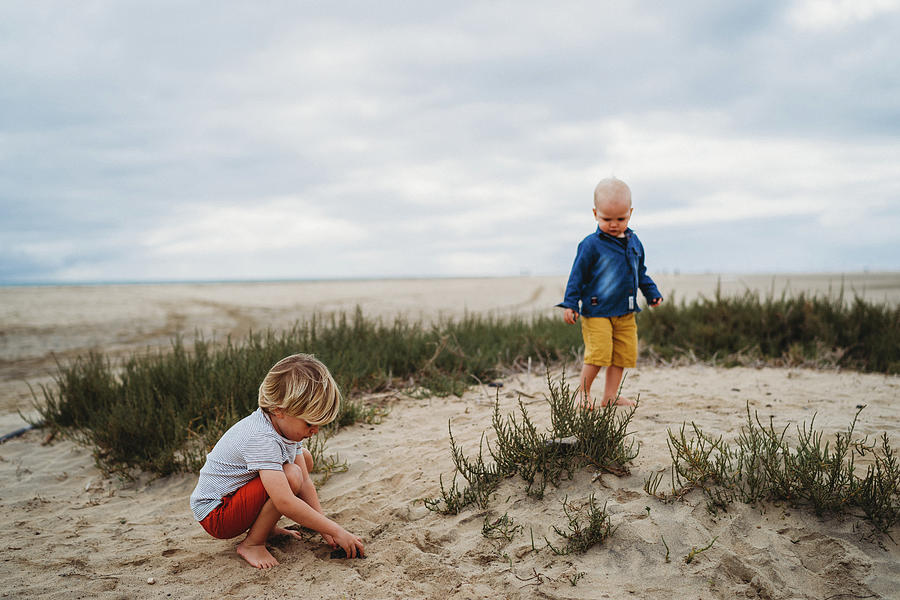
column 619, row 402
column 282, row 531
column 584, row 401
column 257, row 556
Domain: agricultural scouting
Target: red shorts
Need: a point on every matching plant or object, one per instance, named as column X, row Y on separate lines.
column 237, row 512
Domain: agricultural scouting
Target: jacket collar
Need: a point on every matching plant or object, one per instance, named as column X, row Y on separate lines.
column 602, row 234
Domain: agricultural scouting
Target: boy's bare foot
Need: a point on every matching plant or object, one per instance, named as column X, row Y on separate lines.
column 257, row 556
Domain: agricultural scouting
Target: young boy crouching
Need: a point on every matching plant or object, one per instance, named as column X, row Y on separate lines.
column 259, row 469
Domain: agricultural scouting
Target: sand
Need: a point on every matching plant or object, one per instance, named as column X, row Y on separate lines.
column 70, row 532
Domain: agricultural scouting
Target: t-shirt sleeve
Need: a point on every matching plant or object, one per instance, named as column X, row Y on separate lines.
column 263, row 453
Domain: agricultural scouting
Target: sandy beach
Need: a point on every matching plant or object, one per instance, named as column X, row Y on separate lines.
column 71, row 532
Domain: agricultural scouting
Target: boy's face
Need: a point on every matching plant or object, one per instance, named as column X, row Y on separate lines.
column 293, row 428
column 613, row 214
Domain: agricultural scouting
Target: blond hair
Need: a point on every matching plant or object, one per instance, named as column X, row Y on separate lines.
column 612, row 189
column 301, row 386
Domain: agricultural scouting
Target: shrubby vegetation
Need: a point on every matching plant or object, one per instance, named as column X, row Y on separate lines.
column 763, row 466
column 576, row 438
column 800, row 330
column 162, row 410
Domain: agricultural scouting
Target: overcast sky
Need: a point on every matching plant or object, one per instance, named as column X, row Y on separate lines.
column 217, row 140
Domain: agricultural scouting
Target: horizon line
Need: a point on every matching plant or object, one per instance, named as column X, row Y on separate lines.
column 664, row 272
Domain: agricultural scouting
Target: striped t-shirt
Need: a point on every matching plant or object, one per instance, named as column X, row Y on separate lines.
column 252, row 444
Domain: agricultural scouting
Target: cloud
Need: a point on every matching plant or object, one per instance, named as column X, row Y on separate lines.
column 228, row 140
column 826, row 15
column 270, row 224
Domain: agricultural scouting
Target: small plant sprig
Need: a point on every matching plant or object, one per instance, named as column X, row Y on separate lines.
column 582, row 537
column 483, row 480
column 501, row 528
column 878, row 493
column 326, row 465
column 690, row 556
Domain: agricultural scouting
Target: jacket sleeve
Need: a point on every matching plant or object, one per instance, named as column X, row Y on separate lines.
column 578, row 277
column 645, row 283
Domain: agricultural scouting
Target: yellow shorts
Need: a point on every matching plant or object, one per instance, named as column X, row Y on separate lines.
column 610, row 340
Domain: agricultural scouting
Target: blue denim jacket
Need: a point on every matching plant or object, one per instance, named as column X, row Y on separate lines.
column 606, row 276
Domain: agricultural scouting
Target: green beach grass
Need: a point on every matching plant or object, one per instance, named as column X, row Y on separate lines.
column 762, row 466
column 577, row 438
column 797, row 330
column 160, row 411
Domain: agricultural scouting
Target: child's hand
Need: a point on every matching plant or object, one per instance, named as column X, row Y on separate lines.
column 656, row 301
column 351, row 544
column 570, row 316
column 329, row 540
column 284, row 531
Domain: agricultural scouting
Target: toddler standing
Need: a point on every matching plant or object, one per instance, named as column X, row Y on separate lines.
column 602, row 287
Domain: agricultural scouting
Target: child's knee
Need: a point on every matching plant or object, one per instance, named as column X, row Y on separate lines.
column 295, row 476
column 310, row 463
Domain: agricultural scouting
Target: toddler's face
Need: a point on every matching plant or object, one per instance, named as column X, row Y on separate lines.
column 613, row 216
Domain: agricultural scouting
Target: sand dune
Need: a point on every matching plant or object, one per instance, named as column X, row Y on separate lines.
column 71, row 532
